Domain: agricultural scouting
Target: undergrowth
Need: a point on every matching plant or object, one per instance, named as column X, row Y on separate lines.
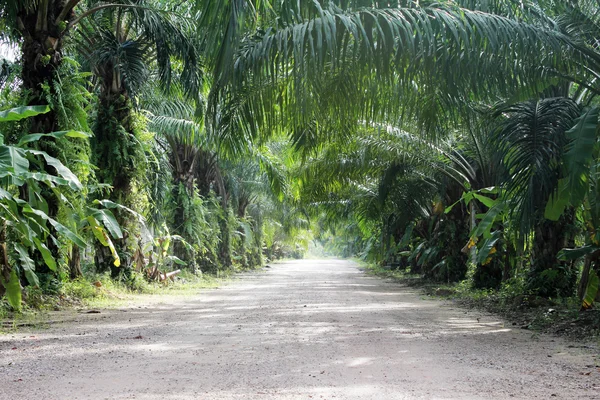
column 100, row 291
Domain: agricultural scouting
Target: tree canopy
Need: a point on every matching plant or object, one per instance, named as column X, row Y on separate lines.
column 454, row 139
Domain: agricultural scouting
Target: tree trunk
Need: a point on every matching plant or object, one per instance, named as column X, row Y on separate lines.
column 114, row 146
column 75, row 263
column 4, row 265
column 548, row 276
column 507, row 270
column 182, row 199
column 41, row 57
column 585, row 277
column 43, row 28
column 590, row 264
column 225, row 244
column 204, row 172
column 118, row 155
column 182, row 194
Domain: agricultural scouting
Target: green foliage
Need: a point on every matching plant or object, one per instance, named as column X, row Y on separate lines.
column 17, row 114
column 196, row 220
column 26, row 222
column 368, row 130
column 487, row 247
column 574, row 254
column 13, row 290
column 532, row 136
column 577, row 158
column 121, row 43
column 159, row 254
column 117, row 148
column 558, row 280
column 81, row 288
column 69, row 97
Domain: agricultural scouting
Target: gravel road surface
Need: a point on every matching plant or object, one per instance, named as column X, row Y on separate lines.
column 312, row 329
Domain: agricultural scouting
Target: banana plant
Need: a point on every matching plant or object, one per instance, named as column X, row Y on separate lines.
column 104, row 226
column 158, row 254
column 24, row 222
column 25, row 225
column 497, row 207
column 581, row 189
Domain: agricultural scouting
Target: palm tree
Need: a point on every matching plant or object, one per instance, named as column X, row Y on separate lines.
column 532, row 137
column 121, row 46
column 43, row 28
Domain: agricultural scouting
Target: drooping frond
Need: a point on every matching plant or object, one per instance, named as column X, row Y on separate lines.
column 448, row 52
column 581, row 22
column 128, row 41
column 532, row 137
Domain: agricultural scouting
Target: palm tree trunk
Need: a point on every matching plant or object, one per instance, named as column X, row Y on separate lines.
column 4, row 265
column 41, row 58
column 182, row 194
column 119, row 157
column 43, row 28
column 472, row 223
column 225, row 245
column 182, row 199
column 41, row 50
column 585, row 277
column 549, row 238
column 590, row 264
column 75, row 263
column 506, row 272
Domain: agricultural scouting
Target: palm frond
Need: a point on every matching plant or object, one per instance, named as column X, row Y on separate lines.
column 532, row 138
column 436, row 45
column 129, row 38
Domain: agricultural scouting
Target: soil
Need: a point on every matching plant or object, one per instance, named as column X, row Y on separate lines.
column 312, row 329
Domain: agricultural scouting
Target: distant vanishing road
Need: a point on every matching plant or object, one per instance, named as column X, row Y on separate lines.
column 311, row 329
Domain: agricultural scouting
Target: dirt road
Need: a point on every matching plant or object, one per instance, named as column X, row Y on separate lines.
column 300, row 330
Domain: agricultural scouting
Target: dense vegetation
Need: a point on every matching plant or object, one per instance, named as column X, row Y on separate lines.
column 456, row 139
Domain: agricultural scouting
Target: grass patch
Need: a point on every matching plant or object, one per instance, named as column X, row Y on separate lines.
column 99, row 291
column 104, row 292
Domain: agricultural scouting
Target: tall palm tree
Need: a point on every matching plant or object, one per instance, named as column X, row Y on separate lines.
column 124, row 47
column 41, row 27
column 532, row 136
column 121, row 46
